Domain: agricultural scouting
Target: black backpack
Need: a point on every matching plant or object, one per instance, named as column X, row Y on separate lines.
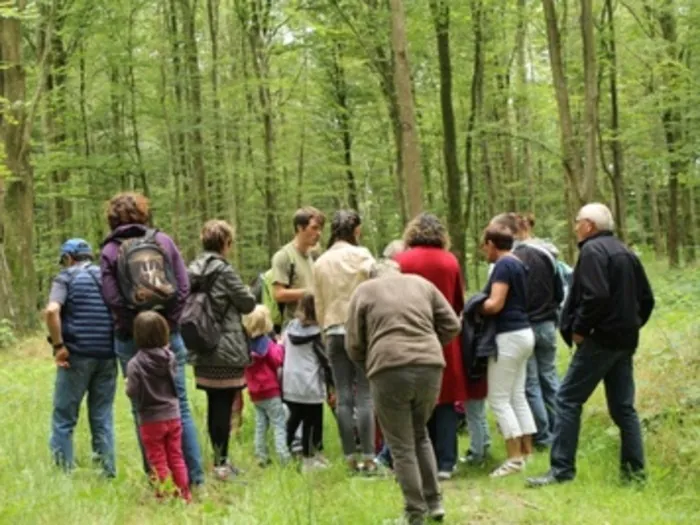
column 145, row 273
column 199, row 327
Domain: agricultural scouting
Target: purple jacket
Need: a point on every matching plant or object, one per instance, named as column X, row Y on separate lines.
column 123, row 317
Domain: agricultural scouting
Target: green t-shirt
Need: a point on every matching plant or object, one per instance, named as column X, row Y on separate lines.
column 303, row 274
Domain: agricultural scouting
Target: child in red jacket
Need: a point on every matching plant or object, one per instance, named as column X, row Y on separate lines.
column 263, row 378
column 150, row 383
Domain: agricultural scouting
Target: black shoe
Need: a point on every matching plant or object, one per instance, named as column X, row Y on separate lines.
column 543, row 481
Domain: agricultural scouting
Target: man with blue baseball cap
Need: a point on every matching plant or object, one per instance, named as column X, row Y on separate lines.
column 81, row 333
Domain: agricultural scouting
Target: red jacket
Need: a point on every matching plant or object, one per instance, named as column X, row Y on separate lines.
column 441, row 268
column 262, row 375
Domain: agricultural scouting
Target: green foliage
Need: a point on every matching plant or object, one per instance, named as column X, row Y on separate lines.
column 7, row 334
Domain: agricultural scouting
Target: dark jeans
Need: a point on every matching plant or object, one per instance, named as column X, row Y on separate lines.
column 219, row 410
column 98, row 379
column 310, row 417
column 591, row 364
column 442, row 428
column 542, row 381
column 126, row 349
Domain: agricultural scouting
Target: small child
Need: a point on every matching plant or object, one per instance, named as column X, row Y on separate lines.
column 264, row 386
column 306, row 376
column 150, row 377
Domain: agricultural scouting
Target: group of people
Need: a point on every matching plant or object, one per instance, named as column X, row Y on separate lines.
column 389, row 341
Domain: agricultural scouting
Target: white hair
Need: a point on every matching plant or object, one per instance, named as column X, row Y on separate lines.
column 384, row 267
column 393, row 249
column 599, row 214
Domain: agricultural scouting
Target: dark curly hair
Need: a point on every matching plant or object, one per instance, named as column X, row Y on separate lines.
column 128, row 208
column 343, row 227
column 426, row 230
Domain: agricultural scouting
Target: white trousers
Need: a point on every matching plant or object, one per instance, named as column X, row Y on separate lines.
column 506, row 383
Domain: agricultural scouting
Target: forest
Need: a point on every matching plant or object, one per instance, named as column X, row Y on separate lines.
column 246, row 109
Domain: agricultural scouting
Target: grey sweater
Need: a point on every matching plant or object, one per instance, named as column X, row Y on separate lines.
column 399, row 320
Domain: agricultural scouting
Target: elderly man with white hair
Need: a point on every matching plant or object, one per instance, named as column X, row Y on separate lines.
column 609, row 302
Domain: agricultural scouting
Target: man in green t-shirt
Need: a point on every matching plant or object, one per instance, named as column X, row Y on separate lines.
column 294, row 261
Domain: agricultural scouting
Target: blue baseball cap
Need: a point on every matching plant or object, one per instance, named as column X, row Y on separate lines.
column 74, row 247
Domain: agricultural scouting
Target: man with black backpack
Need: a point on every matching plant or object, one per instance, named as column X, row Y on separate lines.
column 80, row 332
column 142, row 269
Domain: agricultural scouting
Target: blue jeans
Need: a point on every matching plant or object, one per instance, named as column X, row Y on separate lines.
column 270, row 412
column 442, row 428
column 477, row 426
column 190, row 445
column 98, row 379
column 542, row 381
column 591, row 364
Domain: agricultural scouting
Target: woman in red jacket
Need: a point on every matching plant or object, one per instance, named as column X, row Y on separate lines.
column 427, row 255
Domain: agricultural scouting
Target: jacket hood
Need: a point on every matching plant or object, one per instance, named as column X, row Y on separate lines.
column 156, row 361
column 203, row 266
column 299, row 334
column 126, row 231
column 258, row 346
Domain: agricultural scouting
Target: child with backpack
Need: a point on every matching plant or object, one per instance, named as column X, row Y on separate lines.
column 150, row 383
column 306, row 379
column 263, row 379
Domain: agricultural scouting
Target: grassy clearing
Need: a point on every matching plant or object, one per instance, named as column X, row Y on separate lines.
column 668, row 364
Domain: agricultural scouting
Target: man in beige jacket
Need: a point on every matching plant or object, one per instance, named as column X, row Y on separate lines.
column 396, row 329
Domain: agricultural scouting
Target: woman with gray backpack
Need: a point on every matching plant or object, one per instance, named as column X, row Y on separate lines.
column 214, row 335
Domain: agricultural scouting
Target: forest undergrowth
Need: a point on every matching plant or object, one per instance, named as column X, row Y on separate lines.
column 668, row 396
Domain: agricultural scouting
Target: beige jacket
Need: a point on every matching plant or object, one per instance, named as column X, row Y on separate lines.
column 341, row 269
column 399, row 320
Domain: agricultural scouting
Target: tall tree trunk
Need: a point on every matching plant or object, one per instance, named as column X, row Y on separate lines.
column 522, row 113
column 194, row 79
column 441, row 19
column 615, row 141
column 342, row 110
column 409, row 133
column 672, row 123
column 136, row 140
column 570, row 149
column 477, row 88
column 17, row 211
column 588, row 184
column 216, row 184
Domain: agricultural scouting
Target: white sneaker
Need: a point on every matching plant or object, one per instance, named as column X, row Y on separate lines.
column 444, row 475
column 311, row 464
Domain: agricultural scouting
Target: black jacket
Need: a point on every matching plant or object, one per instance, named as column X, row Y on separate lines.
column 544, row 287
column 610, row 298
column 478, row 338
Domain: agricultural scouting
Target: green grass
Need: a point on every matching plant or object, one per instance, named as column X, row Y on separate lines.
column 668, row 365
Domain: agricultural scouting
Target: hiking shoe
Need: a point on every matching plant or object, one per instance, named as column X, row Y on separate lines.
column 437, row 513
column 226, row 472
column 444, row 475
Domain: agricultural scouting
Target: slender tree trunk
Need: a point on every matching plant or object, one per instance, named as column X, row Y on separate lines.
column 672, row 123
column 588, row 185
column 569, row 146
column 477, row 88
column 194, row 79
column 522, row 113
column 17, row 209
column 615, row 141
column 133, row 112
column 409, row 132
column 441, row 19
column 216, row 185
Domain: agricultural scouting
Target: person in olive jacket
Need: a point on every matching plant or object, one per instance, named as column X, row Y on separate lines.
column 221, row 373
